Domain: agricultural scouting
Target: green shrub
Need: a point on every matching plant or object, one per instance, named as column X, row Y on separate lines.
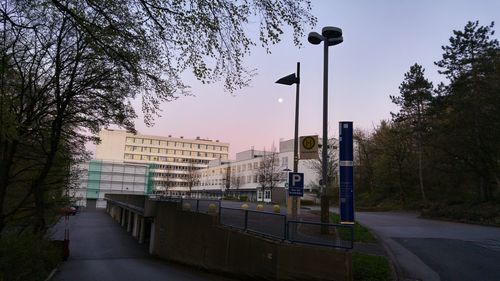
column 368, row 267
column 27, row 257
column 243, row 198
column 276, row 208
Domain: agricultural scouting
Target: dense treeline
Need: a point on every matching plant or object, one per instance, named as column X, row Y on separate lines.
column 442, row 147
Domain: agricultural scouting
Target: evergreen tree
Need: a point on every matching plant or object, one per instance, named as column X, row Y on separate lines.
column 470, row 104
column 415, row 97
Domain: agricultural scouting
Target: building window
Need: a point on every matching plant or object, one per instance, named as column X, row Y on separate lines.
column 154, row 150
column 145, row 157
column 137, row 140
column 259, row 195
column 128, row 156
column 284, row 161
column 155, row 142
column 130, row 140
column 267, row 195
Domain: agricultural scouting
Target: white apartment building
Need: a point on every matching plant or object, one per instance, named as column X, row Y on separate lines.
column 173, row 160
column 240, row 177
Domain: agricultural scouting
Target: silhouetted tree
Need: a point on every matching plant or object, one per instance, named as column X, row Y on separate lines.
column 414, row 99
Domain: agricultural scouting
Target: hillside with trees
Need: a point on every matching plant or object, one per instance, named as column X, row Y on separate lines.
column 441, row 151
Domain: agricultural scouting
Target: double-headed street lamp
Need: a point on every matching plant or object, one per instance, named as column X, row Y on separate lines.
column 291, row 79
column 330, row 36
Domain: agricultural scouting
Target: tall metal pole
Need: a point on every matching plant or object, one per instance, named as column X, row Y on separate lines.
column 324, row 158
column 296, row 140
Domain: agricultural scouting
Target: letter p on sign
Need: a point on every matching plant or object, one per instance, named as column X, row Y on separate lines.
column 296, row 179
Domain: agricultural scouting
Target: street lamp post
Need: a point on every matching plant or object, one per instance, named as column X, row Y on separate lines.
column 291, row 79
column 330, row 36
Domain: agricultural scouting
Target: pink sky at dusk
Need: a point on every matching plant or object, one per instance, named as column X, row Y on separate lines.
column 382, row 39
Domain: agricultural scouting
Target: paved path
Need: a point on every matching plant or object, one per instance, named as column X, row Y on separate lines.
column 426, row 249
column 101, row 250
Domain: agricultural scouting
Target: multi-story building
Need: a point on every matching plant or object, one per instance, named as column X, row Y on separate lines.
column 245, row 176
column 173, row 160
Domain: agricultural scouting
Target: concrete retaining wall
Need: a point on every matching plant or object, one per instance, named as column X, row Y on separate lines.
column 196, row 239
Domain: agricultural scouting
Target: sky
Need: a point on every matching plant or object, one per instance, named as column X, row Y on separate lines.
column 382, row 39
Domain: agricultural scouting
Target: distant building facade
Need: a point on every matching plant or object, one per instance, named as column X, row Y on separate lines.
column 173, row 161
column 98, row 177
column 144, row 164
column 243, row 176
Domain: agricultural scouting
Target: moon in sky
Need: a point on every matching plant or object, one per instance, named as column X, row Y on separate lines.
column 280, row 100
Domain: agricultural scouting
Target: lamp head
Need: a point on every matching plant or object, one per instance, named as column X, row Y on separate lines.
column 288, row 80
column 331, row 32
column 315, row 38
column 335, row 41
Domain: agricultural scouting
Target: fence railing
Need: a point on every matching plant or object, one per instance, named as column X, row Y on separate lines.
column 268, row 224
column 271, row 225
column 323, row 234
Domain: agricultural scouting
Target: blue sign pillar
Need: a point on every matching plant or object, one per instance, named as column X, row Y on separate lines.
column 346, row 173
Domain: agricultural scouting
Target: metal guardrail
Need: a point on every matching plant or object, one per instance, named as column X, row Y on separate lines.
column 267, row 224
column 270, row 225
column 322, row 234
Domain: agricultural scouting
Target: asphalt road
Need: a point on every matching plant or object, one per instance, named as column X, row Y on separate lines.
column 436, row 250
column 101, row 250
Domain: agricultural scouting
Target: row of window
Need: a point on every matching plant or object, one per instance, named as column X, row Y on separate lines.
column 176, row 144
column 171, row 176
column 242, row 168
column 180, row 168
column 171, row 184
column 128, row 156
column 174, row 152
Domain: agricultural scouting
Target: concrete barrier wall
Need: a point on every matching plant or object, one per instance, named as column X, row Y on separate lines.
column 196, row 239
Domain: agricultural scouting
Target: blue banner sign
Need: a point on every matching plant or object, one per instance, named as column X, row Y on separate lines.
column 346, row 173
column 296, row 184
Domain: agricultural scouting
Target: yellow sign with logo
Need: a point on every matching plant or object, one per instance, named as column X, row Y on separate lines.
column 309, row 147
